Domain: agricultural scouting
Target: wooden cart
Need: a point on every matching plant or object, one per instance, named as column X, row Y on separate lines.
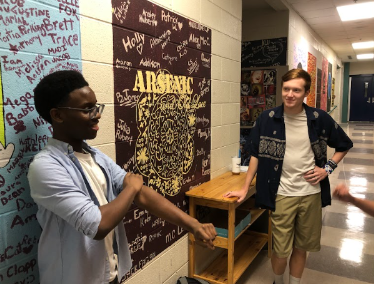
column 242, row 249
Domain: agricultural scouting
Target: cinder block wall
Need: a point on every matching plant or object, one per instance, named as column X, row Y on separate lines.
column 225, row 20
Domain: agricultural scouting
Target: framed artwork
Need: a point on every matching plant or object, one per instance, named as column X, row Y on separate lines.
column 259, row 89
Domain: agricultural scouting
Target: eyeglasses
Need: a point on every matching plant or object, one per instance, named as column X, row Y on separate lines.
column 92, row 112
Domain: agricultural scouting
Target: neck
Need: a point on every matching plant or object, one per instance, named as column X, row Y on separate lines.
column 76, row 144
column 293, row 111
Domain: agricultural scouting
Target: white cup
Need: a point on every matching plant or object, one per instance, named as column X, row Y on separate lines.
column 236, row 161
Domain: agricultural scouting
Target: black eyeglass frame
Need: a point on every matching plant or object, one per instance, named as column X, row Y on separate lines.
column 99, row 108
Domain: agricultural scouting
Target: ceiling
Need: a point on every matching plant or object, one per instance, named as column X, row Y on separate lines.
column 322, row 16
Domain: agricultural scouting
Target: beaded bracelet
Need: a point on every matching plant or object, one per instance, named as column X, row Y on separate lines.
column 332, row 164
column 328, row 169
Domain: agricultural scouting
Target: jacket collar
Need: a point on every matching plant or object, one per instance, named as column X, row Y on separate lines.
column 279, row 112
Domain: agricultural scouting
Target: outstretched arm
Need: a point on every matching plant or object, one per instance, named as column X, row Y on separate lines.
column 157, row 205
column 342, row 193
column 242, row 193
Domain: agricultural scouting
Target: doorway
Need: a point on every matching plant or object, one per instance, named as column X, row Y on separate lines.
column 362, row 98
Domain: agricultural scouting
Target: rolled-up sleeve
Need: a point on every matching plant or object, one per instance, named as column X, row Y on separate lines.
column 53, row 188
column 337, row 138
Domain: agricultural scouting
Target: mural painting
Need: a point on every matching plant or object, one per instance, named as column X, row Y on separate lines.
column 319, row 88
column 162, row 71
column 329, row 83
column 36, row 38
column 332, row 92
column 312, row 68
column 324, row 80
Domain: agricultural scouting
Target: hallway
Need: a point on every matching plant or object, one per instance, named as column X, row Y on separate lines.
column 347, row 245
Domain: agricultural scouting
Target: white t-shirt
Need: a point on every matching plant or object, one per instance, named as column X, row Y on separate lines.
column 298, row 158
column 97, row 181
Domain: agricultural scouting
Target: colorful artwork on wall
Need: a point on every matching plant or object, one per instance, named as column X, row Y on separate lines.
column 258, row 93
column 312, row 69
column 324, row 80
column 333, row 93
column 329, row 82
column 319, row 88
column 35, row 40
column 162, row 82
column 300, row 56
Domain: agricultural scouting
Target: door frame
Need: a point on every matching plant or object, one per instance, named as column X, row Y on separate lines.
column 349, row 99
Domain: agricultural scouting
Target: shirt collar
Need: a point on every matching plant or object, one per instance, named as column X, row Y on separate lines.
column 67, row 148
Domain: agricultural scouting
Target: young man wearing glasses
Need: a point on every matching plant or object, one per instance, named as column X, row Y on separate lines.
column 83, row 195
column 288, row 147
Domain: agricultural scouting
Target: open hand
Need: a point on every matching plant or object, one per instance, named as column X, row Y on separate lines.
column 241, row 194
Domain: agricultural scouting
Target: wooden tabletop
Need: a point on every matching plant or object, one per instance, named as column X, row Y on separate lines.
column 215, row 188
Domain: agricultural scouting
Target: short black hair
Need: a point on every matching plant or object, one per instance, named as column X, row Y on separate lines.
column 54, row 89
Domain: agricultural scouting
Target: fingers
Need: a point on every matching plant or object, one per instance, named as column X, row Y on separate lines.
column 134, row 180
column 209, row 231
column 341, row 187
column 315, row 176
column 210, row 244
column 213, row 231
column 230, row 194
column 341, row 190
column 207, row 235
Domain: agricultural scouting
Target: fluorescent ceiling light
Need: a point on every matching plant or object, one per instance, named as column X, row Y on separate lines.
column 356, row 11
column 365, row 56
column 361, row 45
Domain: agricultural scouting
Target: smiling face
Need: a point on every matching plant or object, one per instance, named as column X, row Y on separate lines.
column 256, row 76
column 74, row 126
column 293, row 94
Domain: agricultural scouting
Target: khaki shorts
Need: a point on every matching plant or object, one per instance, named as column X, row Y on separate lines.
column 296, row 222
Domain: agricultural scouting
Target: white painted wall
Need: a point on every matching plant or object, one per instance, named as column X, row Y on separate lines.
column 364, row 67
column 225, row 20
column 302, row 35
column 264, row 24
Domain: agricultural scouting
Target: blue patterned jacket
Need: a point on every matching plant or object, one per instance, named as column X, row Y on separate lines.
column 268, row 144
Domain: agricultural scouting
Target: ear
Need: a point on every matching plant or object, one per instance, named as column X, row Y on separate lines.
column 56, row 115
column 307, row 93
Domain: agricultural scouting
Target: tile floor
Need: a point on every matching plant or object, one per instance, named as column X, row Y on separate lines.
column 347, row 253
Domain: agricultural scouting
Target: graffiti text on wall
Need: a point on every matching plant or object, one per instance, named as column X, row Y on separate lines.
column 162, row 112
column 36, row 38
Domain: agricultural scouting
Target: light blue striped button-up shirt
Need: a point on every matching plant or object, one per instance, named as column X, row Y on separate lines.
column 69, row 215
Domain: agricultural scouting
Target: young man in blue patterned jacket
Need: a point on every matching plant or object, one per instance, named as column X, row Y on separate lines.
column 289, row 154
